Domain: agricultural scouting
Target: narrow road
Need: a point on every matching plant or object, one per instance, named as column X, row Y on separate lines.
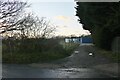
column 79, row 65
column 82, row 59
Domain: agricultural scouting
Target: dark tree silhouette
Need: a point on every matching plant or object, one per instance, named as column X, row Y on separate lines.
column 101, row 19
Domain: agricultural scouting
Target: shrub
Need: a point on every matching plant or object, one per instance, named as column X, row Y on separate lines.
column 35, row 50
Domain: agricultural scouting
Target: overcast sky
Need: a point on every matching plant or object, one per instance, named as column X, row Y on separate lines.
column 60, row 13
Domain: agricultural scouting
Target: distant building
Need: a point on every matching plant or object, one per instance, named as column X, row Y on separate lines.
column 80, row 40
column 72, row 39
column 86, row 40
column 67, row 40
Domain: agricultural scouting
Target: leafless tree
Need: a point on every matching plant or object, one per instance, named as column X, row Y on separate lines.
column 40, row 29
column 45, row 28
column 11, row 17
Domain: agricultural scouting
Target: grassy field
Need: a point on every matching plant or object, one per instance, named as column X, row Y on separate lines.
column 110, row 55
column 33, row 51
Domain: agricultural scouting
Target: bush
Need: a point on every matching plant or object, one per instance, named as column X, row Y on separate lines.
column 35, row 50
column 110, row 55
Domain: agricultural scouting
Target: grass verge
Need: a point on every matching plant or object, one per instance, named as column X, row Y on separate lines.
column 110, row 55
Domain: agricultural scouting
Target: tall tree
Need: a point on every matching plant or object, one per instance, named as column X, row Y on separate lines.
column 101, row 19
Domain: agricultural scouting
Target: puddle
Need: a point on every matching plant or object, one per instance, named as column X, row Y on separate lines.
column 30, row 72
column 75, row 69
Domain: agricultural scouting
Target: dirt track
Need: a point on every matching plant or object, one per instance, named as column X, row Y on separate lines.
column 81, row 59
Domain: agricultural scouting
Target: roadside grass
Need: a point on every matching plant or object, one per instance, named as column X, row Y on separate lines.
column 33, row 51
column 0, row 48
column 69, row 47
column 110, row 55
column 30, row 58
column 0, row 52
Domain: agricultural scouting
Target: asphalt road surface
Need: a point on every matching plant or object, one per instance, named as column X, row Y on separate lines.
column 79, row 65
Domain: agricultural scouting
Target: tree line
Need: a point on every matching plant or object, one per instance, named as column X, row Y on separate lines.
column 101, row 19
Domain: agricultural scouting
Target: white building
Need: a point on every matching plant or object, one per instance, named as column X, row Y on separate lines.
column 74, row 39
